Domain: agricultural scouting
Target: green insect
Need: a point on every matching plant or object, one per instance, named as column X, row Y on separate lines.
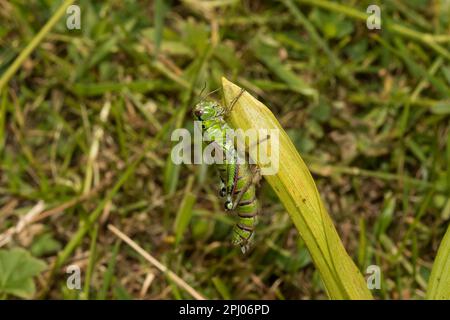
column 237, row 179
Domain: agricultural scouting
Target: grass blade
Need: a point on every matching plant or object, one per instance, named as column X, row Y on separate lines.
column 108, row 276
column 34, row 43
column 161, row 7
column 267, row 55
column 184, row 214
column 429, row 40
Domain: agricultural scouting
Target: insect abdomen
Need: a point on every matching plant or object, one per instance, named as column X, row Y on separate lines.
column 246, row 210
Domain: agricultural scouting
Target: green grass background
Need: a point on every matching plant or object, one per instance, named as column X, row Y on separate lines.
column 85, row 127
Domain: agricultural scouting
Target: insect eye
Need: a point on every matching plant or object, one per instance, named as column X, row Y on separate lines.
column 198, row 113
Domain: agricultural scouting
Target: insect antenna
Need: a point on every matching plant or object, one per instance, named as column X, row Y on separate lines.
column 206, row 95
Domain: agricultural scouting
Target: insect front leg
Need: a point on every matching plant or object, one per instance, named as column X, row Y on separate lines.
column 231, row 176
column 223, row 189
column 222, row 169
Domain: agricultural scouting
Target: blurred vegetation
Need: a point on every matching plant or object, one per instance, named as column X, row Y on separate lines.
column 85, row 127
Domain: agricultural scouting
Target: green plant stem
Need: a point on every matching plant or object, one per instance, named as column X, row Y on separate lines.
column 34, row 43
column 325, row 169
column 92, row 257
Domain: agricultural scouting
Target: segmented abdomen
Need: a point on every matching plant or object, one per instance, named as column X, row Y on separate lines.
column 246, row 210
